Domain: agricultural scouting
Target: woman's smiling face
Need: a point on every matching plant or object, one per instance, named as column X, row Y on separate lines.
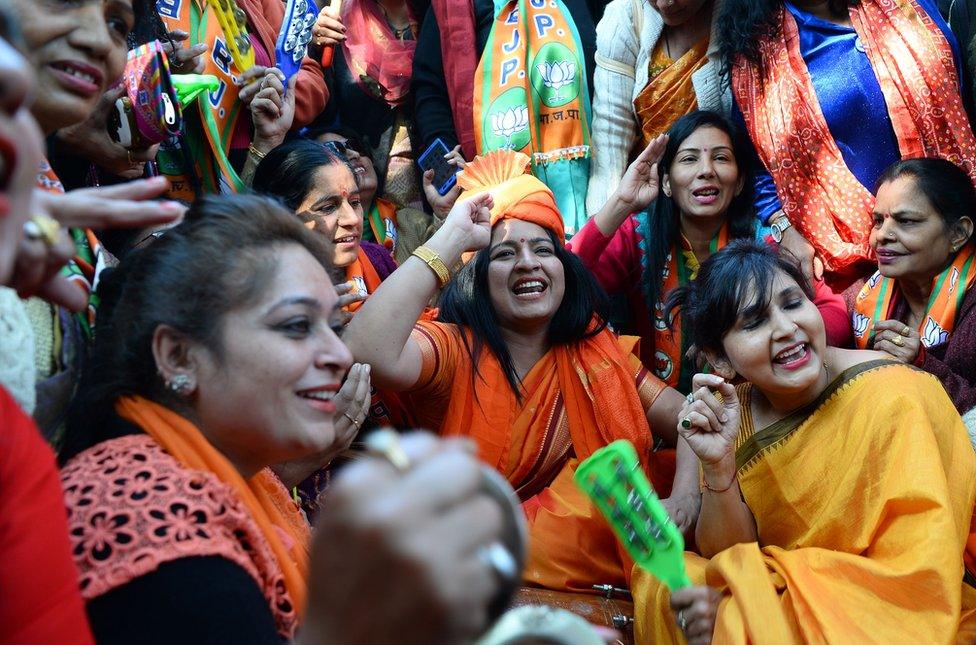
column 77, row 49
column 333, row 209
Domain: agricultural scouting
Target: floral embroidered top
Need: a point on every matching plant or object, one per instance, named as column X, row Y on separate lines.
column 132, row 508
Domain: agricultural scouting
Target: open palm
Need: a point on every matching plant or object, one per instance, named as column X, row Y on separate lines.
column 640, row 184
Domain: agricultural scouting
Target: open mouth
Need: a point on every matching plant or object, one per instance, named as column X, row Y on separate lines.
column 320, row 398
column 706, row 195
column 529, row 288
column 347, row 239
column 794, row 356
column 78, row 76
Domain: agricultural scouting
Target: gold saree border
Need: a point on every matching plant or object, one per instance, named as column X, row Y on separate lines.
column 762, row 441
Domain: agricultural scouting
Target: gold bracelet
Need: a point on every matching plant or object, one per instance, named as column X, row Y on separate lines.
column 435, row 263
column 254, row 151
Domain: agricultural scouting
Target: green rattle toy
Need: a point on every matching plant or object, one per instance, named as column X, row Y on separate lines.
column 190, row 86
column 612, row 478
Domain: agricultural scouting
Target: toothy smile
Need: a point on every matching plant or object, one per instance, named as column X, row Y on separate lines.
column 792, row 354
column 529, row 287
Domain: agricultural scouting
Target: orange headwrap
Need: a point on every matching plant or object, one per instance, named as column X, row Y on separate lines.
column 517, row 194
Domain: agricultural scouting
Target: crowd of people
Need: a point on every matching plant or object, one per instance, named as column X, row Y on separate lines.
column 268, row 373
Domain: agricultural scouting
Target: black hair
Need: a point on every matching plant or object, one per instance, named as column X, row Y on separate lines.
column 948, row 187
column 734, row 282
column 220, row 258
column 360, row 143
column 288, row 171
column 148, row 25
column 661, row 229
column 740, row 24
column 466, row 301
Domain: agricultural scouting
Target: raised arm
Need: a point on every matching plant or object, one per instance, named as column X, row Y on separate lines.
column 379, row 333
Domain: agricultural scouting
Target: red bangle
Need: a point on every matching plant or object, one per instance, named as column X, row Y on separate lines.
column 718, row 490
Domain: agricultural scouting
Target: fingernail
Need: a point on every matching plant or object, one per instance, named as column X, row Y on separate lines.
column 724, row 418
column 173, row 206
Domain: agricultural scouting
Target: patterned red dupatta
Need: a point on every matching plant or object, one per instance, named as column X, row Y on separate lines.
column 914, row 65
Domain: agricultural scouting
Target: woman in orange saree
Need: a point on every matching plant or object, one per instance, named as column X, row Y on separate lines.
column 838, row 485
column 520, row 360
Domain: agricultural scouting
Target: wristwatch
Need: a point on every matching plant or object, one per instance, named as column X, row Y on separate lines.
column 779, row 226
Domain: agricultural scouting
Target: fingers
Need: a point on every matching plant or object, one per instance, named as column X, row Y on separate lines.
column 654, row 150
column 423, row 490
column 120, row 206
column 63, row 293
column 475, row 523
column 348, row 298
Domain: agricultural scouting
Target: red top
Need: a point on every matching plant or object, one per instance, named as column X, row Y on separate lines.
column 616, row 263
column 39, row 597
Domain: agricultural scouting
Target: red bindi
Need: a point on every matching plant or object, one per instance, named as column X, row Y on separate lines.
column 522, row 240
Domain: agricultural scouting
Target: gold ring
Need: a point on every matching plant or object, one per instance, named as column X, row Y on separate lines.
column 351, row 420
column 907, row 332
column 128, row 154
column 42, row 227
column 385, row 443
column 897, row 340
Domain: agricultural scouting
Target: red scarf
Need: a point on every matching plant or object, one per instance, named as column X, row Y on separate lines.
column 914, row 65
column 455, row 18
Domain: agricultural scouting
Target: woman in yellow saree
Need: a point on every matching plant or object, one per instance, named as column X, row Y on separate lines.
column 838, row 486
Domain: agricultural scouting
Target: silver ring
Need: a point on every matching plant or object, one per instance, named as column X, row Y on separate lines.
column 690, row 398
column 500, row 560
column 682, row 623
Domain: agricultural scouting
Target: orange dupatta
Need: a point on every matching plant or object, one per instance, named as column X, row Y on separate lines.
column 669, row 93
column 366, row 278
column 596, row 381
column 914, row 65
column 266, row 499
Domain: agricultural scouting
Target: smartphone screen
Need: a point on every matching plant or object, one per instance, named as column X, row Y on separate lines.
column 444, row 172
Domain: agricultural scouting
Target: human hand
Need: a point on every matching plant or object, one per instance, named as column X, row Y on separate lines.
column 252, row 82
column 127, row 205
column 184, row 60
column 37, row 265
column 468, row 225
column 272, row 112
column 710, row 427
column 803, row 251
column 695, row 610
column 683, row 508
column 456, row 158
column 91, row 140
column 328, row 29
column 440, row 204
column 640, row 184
column 398, row 557
column 347, row 296
column 897, row 339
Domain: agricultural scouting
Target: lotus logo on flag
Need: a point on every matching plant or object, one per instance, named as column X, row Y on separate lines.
column 860, row 323
column 557, row 75
column 510, row 122
column 953, row 279
column 934, row 335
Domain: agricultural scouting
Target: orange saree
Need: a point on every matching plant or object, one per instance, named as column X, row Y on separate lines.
column 669, row 93
column 575, row 400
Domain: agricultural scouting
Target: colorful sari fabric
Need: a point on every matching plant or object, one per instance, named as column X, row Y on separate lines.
column 862, row 501
column 913, row 63
column 574, row 400
column 879, row 296
column 669, row 93
column 381, row 224
column 381, row 62
column 670, row 361
column 531, row 95
column 365, row 277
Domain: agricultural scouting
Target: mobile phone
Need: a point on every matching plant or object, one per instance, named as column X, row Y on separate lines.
column 444, row 172
column 122, row 126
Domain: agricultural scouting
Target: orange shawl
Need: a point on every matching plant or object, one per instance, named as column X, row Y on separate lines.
column 596, row 381
column 669, row 93
column 366, row 278
column 914, row 65
column 264, row 496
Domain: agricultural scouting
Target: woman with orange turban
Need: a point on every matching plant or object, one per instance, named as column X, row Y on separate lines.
column 520, row 360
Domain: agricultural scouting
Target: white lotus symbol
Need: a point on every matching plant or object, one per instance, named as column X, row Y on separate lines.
column 510, row 122
column 934, row 335
column 860, row 323
column 557, row 75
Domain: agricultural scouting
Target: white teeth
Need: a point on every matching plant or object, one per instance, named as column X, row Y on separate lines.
column 324, row 395
column 530, row 286
column 793, row 353
column 79, row 74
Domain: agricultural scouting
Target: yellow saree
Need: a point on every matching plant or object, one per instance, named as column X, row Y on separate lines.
column 862, row 503
column 669, row 93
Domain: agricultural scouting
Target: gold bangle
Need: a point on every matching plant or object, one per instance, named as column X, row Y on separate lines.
column 435, row 263
column 254, row 151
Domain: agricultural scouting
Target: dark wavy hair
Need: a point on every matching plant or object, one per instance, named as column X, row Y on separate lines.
column 734, row 282
column 220, row 258
column 947, row 186
column 288, row 171
column 661, row 228
column 740, row 23
column 466, row 302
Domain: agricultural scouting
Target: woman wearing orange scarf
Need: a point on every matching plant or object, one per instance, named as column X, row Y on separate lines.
column 832, row 93
column 520, row 360
column 217, row 357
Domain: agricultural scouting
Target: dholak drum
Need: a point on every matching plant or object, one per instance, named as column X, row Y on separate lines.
column 613, row 612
